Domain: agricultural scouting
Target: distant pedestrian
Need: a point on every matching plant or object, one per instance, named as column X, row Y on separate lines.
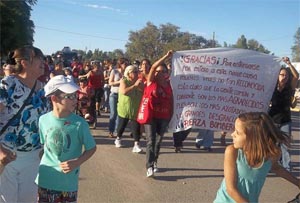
column 114, row 82
column 179, row 137
column 205, row 139
column 67, row 142
column 250, row 158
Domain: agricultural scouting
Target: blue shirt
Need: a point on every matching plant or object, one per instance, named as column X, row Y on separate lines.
column 250, row 180
column 22, row 132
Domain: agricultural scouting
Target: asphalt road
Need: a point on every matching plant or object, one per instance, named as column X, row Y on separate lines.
column 118, row 175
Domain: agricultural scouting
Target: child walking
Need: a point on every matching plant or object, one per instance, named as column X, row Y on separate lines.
column 254, row 152
column 64, row 135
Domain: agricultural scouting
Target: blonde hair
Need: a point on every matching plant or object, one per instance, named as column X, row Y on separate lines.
column 262, row 137
column 129, row 69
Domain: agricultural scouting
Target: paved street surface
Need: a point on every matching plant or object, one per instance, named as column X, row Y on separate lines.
column 118, row 175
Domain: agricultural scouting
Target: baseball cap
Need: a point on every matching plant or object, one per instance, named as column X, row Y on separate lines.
column 61, row 83
column 67, row 68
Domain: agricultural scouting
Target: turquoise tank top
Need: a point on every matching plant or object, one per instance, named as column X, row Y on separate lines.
column 250, row 180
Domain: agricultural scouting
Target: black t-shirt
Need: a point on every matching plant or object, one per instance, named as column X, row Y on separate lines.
column 280, row 108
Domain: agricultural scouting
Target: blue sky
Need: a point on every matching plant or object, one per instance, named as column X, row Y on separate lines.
column 105, row 24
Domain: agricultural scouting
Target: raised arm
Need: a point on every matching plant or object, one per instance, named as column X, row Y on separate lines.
column 295, row 74
column 156, row 64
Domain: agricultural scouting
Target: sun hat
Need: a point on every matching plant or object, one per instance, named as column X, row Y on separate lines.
column 61, row 83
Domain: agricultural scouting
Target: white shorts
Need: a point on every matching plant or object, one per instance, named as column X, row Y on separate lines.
column 17, row 180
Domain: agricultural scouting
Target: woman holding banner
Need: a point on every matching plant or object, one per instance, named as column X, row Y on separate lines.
column 158, row 84
column 281, row 103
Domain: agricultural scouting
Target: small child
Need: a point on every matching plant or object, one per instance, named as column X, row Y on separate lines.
column 254, row 152
column 85, row 94
column 68, row 73
column 63, row 134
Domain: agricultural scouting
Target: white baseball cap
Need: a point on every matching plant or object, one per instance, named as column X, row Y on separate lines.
column 61, row 83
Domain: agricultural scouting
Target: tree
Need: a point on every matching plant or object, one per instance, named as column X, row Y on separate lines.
column 296, row 47
column 144, row 43
column 89, row 54
column 241, row 43
column 16, row 27
column 256, row 46
column 117, row 53
column 152, row 42
column 251, row 44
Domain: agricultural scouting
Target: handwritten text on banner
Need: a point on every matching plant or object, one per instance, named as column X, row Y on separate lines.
column 212, row 86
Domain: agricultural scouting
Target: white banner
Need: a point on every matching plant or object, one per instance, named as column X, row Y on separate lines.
column 212, row 86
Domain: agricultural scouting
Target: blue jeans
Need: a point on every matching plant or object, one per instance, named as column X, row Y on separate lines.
column 285, row 155
column 154, row 133
column 205, row 138
column 113, row 116
column 106, row 97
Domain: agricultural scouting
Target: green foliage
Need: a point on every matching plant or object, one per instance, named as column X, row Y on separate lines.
column 152, row 42
column 296, row 47
column 16, row 27
column 251, row 44
column 99, row 54
column 241, row 43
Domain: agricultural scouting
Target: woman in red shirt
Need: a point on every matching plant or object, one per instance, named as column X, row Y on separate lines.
column 96, row 82
column 158, row 84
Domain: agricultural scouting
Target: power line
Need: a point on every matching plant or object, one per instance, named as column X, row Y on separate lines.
column 80, row 34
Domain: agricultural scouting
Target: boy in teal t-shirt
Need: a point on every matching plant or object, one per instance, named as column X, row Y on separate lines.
column 64, row 136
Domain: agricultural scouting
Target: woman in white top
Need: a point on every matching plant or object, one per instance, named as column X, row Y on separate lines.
column 114, row 83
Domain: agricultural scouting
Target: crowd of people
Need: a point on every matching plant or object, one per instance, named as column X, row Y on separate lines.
column 43, row 142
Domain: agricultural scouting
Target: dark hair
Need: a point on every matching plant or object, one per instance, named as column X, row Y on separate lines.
column 25, row 53
column 136, row 62
column 10, row 60
column 120, row 61
column 288, row 84
column 83, row 79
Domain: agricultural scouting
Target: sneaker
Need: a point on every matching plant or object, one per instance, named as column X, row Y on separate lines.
column 136, row 149
column 208, row 149
column 150, row 172
column 155, row 169
column 118, row 143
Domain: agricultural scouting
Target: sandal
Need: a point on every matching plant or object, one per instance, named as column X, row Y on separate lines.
column 111, row 135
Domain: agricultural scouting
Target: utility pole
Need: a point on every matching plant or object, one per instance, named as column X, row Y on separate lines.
column 213, row 42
